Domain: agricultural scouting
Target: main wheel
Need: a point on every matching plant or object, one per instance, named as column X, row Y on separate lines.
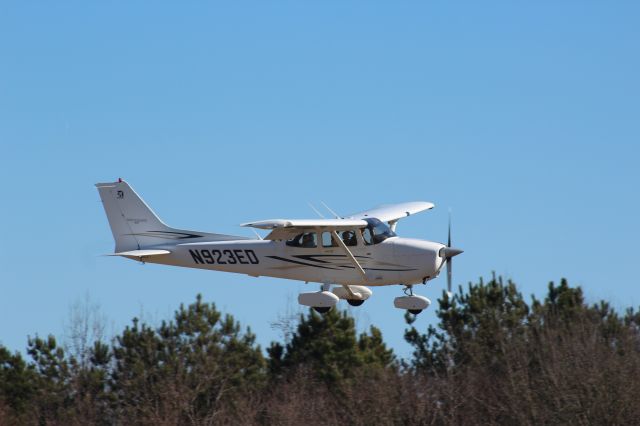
column 322, row 309
column 355, row 302
column 415, row 311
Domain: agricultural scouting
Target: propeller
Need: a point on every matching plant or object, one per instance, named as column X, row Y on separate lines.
column 448, row 253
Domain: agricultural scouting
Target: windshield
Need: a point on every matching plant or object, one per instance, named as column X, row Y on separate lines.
column 379, row 231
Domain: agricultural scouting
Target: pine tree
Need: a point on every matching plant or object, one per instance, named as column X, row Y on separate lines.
column 18, row 385
column 330, row 348
column 187, row 369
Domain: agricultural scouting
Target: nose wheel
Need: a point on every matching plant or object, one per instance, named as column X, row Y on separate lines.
column 411, row 302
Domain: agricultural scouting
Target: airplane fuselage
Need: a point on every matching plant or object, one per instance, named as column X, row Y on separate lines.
column 347, row 255
column 394, row 261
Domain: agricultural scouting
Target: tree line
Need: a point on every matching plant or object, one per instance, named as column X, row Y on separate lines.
column 493, row 358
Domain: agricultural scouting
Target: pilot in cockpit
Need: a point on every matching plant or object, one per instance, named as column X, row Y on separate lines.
column 349, row 238
column 307, row 240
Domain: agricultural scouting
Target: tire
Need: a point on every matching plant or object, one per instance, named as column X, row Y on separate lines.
column 354, row 302
column 322, row 309
column 415, row 311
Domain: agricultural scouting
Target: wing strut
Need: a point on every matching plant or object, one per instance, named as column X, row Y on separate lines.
column 353, row 260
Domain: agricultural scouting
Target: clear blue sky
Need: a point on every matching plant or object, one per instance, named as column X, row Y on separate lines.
column 523, row 117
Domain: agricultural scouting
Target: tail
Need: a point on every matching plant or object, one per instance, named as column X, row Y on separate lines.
column 135, row 226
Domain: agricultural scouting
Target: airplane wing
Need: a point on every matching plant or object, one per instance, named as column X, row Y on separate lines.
column 394, row 212
column 285, row 228
column 306, row 223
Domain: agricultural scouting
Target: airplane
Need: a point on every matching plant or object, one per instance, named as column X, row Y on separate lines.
column 346, row 255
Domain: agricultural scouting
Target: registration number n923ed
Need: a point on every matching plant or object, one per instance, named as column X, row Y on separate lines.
column 224, row 257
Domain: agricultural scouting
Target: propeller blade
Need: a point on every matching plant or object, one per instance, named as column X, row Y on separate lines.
column 449, row 278
column 449, row 234
column 448, row 253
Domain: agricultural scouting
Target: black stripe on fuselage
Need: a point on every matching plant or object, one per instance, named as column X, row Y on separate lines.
column 301, row 263
column 312, row 257
column 337, row 267
column 168, row 235
column 379, row 269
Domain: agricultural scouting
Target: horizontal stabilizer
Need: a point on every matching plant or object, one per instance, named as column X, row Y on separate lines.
column 140, row 253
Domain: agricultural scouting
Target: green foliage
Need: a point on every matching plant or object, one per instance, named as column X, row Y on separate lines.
column 54, row 401
column 482, row 317
column 186, row 368
column 492, row 358
column 329, row 346
column 555, row 361
column 17, row 381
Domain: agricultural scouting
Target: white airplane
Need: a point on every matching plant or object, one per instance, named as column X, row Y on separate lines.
column 351, row 253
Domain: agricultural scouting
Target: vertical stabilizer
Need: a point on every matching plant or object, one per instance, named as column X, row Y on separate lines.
column 130, row 218
column 136, row 227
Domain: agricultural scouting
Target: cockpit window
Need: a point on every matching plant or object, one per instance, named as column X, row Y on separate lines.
column 376, row 232
column 306, row 240
column 367, row 236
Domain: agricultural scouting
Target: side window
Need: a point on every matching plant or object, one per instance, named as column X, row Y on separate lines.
column 367, row 237
column 309, row 240
column 327, row 241
column 349, row 238
column 295, row 241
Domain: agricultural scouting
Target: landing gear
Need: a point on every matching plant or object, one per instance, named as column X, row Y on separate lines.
column 355, row 295
column 322, row 301
column 411, row 302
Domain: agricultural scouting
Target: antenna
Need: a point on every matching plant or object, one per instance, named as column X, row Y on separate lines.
column 332, row 212
column 315, row 210
column 257, row 235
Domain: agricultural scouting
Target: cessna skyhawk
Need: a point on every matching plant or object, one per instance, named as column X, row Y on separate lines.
column 349, row 253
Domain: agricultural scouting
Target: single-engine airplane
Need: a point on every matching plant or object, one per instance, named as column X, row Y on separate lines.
column 351, row 253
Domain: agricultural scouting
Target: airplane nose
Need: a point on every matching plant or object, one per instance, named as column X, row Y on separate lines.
column 421, row 255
